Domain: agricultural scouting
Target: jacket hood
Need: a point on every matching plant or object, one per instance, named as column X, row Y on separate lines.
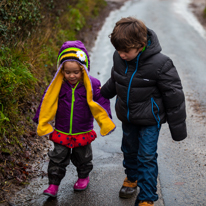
column 153, row 46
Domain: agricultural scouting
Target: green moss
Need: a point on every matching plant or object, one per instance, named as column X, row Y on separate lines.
column 6, row 150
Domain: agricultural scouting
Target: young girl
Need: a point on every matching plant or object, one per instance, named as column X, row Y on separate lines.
column 73, row 98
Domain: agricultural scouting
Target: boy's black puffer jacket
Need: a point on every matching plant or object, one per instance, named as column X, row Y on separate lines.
column 149, row 90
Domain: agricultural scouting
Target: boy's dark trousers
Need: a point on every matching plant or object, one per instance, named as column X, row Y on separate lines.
column 139, row 147
column 60, row 157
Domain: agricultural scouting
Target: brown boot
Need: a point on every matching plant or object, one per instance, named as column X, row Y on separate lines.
column 128, row 189
column 146, row 203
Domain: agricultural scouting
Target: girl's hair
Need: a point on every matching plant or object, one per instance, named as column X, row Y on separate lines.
column 129, row 33
column 81, row 67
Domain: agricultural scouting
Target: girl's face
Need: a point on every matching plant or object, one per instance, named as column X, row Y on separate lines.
column 72, row 72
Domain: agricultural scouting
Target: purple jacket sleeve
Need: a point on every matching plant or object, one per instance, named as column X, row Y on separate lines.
column 97, row 96
column 36, row 117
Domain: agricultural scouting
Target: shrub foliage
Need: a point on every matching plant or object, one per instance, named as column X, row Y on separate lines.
column 18, row 19
column 31, row 33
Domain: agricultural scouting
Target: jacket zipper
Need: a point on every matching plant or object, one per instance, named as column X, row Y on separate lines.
column 130, row 82
column 157, row 117
column 72, row 108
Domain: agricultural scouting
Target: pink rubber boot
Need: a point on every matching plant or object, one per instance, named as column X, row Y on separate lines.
column 51, row 190
column 81, row 184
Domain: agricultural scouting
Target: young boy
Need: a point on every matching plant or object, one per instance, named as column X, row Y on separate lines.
column 149, row 93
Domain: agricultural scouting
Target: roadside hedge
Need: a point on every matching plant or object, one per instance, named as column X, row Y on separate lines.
column 31, row 33
column 18, row 19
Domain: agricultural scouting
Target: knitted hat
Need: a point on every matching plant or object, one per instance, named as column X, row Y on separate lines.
column 71, row 51
column 74, row 50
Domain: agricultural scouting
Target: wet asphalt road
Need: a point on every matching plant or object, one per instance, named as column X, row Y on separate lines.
column 182, row 165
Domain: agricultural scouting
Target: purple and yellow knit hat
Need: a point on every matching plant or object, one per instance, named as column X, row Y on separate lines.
column 73, row 54
column 74, row 51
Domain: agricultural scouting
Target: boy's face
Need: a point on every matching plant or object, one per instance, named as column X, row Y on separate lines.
column 131, row 54
column 72, row 72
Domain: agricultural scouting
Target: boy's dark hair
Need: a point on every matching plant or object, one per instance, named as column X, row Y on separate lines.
column 129, row 33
